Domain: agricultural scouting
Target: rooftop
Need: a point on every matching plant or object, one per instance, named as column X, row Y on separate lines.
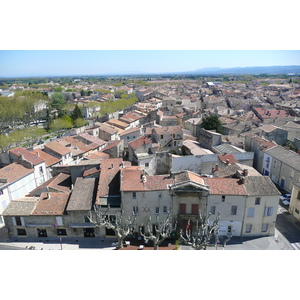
column 29, row 156
column 132, row 181
column 14, row 172
column 57, row 148
column 82, row 196
column 21, row 207
column 51, row 204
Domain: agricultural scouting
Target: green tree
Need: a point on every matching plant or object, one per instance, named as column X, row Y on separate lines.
column 79, row 122
column 58, row 101
column 212, row 123
column 61, row 124
column 76, row 113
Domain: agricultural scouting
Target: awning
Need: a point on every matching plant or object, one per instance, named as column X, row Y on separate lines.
column 82, row 225
column 39, row 225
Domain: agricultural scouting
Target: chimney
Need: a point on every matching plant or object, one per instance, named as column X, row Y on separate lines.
column 243, row 180
column 227, row 161
column 216, row 168
column 245, row 172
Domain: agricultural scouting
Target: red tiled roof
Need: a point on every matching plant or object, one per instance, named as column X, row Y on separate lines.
column 131, row 181
column 51, row 204
column 49, row 159
column 230, row 157
column 168, row 129
column 139, row 142
column 29, row 156
column 57, row 183
column 98, row 155
column 14, row 172
column 109, row 169
column 57, row 147
column 225, row 186
column 77, row 144
column 264, row 143
column 271, row 113
column 92, row 139
column 112, row 144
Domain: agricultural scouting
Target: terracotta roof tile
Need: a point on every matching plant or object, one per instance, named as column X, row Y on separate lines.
column 57, row 148
column 225, row 186
column 132, row 181
column 29, row 156
column 51, row 204
column 49, row 159
column 139, row 142
column 14, row 172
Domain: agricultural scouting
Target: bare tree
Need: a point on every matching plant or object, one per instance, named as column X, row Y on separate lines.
column 201, row 236
column 120, row 225
column 159, row 231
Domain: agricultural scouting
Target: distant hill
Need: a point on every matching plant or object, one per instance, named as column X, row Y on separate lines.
column 249, row 70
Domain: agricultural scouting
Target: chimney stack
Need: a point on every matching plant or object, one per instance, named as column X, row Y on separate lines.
column 245, row 172
column 243, row 180
column 227, row 161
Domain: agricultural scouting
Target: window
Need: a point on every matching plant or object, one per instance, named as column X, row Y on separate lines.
column 134, row 195
column 21, row 231
column 233, row 209
column 298, row 196
column 248, row 228
column 257, row 201
column 161, row 136
column 157, row 210
column 268, row 165
column 223, row 198
column 135, row 210
column 229, row 229
column 274, row 164
column 4, row 204
column 264, row 227
column 182, row 208
column 112, row 219
column 297, row 210
column 86, row 219
column 195, row 209
column 41, row 171
column 59, row 221
column 61, row 231
column 250, row 212
column 146, row 165
column 269, row 211
column 159, row 195
column 18, row 221
column 213, row 210
column 292, row 173
column 42, row 232
column 165, row 210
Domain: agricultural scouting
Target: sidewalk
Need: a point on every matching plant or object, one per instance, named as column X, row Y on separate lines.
column 66, row 243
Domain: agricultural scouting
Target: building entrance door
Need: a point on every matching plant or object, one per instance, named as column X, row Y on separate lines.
column 88, row 232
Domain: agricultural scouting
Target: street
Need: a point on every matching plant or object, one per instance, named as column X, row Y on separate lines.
column 285, row 224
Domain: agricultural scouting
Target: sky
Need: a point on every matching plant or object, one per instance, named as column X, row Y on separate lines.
column 102, row 62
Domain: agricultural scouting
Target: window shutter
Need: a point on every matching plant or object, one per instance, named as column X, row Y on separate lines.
column 22, row 221
column 14, row 221
column 59, row 221
column 266, row 211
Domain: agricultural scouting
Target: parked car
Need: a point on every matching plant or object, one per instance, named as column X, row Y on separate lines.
column 286, row 202
column 285, row 197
